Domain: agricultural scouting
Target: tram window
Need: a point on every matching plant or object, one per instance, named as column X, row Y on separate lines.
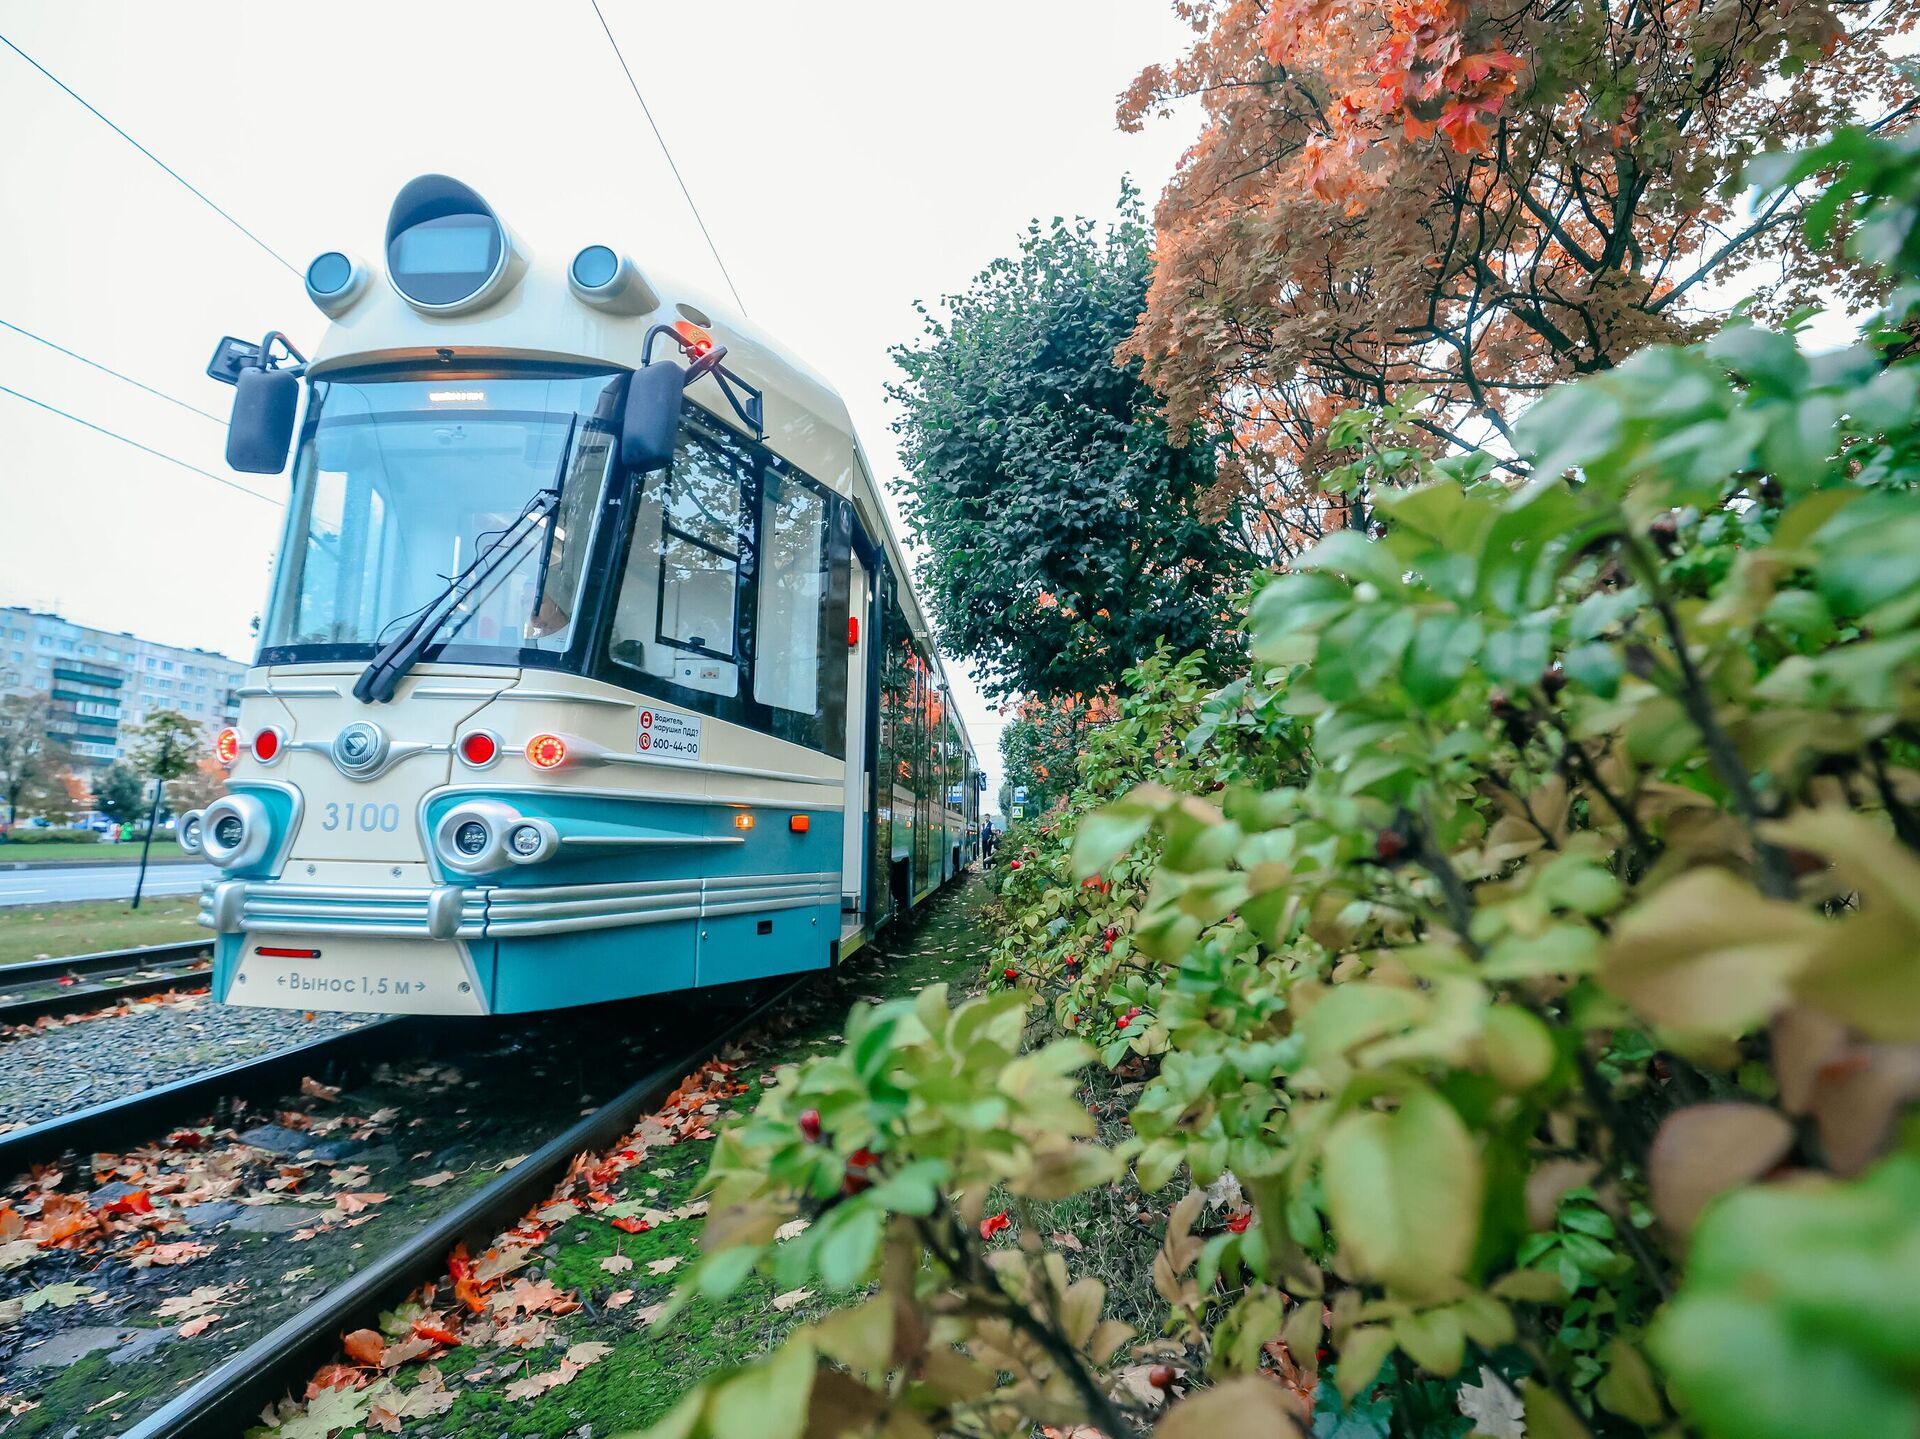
column 678, row 612
column 793, row 585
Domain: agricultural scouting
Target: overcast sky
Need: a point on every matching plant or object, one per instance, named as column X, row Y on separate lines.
column 849, row 159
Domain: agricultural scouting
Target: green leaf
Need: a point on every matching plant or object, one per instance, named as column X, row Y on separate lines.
column 1361, row 1356
column 768, row 1400
column 1404, row 1190
column 1708, row 955
column 1628, row 1388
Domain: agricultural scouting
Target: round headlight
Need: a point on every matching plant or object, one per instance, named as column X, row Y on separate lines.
column 525, row 840
column 471, row 838
column 329, row 273
column 229, row 830
column 595, row 266
column 188, row 832
column 234, row 831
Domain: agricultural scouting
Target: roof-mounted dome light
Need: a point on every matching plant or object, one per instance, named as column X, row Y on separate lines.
column 446, row 249
column 335, row 280
column 609, row 281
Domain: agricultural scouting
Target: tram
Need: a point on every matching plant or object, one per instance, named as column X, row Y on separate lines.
column 591, row 668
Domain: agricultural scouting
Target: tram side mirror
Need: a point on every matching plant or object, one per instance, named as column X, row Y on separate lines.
column 652, row 418
column 260, row 433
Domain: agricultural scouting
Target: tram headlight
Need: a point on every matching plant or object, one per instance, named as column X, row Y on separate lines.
column 446, row 250
column 531, row 841
column 472, row 838
column 609, row 281
column 335, row 280
column 234, row 831
column 188, row 831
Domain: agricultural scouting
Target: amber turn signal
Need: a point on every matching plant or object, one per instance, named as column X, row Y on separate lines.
column 799, row 823
column 743, row 821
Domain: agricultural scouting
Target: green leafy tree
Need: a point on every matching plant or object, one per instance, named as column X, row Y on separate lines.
column 1516, row 967
column 1067, row 531
column 119, row 792
column 31, row 755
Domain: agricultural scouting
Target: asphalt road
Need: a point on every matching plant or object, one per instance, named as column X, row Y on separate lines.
column 97, row 881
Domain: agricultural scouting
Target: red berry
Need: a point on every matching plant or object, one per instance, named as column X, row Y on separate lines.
column 1106, row 946
column 810, row 1125
column 1013, row 864
column 857, row 1179
column 1013, row 974
column 1161, row 1376
column 1238, row 1224
column 1389, row 845
column 1123, row 1021
column 1110, row 933
column 1072, row 960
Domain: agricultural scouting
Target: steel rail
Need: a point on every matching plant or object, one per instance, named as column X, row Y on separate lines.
column 137, row 1118
column 229, row 1398
column 178, row 963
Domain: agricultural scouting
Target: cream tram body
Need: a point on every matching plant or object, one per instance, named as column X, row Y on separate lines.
column 683, row 724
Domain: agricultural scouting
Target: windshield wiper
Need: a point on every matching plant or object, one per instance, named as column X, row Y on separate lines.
column 380, row 680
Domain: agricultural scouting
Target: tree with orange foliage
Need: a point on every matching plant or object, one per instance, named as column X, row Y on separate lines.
column 1476, row 202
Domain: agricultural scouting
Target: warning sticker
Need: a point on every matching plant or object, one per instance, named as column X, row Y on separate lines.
column 666, row 735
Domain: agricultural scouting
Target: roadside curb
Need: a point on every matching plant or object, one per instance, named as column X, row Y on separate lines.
column 152, row 862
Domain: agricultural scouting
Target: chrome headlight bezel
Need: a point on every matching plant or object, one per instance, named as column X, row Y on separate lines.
column 186, row 831
column 549, row 843
column 256, row 831
column 495, row 817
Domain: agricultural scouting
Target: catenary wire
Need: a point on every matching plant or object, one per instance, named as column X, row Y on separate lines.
column 108, row 369
column 196, row 192
column 669, row 154
column 158, row 454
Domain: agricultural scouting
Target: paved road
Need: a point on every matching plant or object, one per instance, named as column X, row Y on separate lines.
column 97, row 881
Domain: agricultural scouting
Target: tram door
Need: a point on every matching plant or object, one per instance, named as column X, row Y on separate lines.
column 855, row 841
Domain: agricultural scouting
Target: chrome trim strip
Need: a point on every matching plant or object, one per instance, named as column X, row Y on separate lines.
column 396, row 751
column 755, row 881
column 564, row 697
column 527, row 928
column 609, row 841
column 449, row 692
column 253, row 692
column 606, row 891
column 303, row 692
column 720, row 910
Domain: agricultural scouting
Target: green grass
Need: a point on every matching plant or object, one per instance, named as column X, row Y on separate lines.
column 65, row 851
column 49, row 931
column 650, row 1369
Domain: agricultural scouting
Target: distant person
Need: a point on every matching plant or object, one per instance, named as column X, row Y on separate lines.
column 989, row 837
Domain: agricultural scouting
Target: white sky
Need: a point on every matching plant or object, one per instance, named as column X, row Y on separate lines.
column 849, row 157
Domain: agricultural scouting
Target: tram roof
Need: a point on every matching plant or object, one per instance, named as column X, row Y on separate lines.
column 540, row 318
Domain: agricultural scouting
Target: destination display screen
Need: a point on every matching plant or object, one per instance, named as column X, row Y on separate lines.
column 459, row 244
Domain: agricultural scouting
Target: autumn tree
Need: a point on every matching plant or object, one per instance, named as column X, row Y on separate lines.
column 1478, row 202
column 118, row 793
column 1066, row 531
column 31, row 755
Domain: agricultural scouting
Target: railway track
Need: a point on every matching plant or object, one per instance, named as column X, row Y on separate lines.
column 148, row 1115
column 228, row 1398
column 35, row 989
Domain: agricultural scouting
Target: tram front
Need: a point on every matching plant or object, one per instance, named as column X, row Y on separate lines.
column 432, row 798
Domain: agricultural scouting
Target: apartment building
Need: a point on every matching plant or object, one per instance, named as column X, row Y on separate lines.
column 103, row 684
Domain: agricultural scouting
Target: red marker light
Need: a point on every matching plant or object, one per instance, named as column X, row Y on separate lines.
column 853, row 631
column 479, row 749
column 546, row 751
column 271, row 953
column 266, row 745
column 226, row 746
column 694, row 340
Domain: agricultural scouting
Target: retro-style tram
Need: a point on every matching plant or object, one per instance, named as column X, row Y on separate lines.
column 592, row 667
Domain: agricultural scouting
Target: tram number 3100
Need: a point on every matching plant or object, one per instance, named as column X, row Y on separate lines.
column 369, row 817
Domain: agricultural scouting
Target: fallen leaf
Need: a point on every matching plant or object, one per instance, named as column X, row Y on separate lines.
column 616, row 1264
column 364, row 1347
column 629, row 1225
column 783, row 1302
column 314, row 1089
column 559, row 1212
column 791, row 1229
column 434, row 1181
column 588, row 1353
column 353, row 1201
column 620, row 1298
column 196, row 1326
column 1706, row 1149
column 661, row 1266
column 112, row 1398
column 1068, row 1241
column 994, row 1223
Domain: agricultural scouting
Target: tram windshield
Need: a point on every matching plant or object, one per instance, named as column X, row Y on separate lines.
column 401, row 482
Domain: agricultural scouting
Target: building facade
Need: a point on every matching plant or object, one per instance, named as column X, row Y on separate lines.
column 102, row 684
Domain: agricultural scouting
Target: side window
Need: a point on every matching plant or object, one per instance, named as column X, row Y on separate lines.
column 677, row 615
column 793, row 586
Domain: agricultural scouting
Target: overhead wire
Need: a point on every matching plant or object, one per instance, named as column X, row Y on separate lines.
column 644, row 110
column 149, row 449
column 188, row 184
column 109, row 370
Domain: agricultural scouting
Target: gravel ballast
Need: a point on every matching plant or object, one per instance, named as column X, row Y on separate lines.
column 72, row 1066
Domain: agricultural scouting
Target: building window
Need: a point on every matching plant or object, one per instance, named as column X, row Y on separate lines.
column 151, row 662
column 44, row 642
column 167, row 665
